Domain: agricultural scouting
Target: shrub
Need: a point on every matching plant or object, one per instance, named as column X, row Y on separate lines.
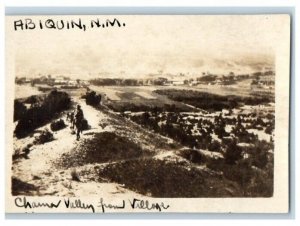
column 57, row 125
column 233, row 153
column 92, row 98
column 260, row 153
column 220, row 131
column 19, row 110
column 40, row 114
column 269, row 129
column 44, row 137
column 214, row 146
column 75, row 175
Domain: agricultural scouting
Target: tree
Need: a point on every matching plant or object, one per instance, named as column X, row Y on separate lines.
column 233, row 153
column 92, row 98
column 19, row 110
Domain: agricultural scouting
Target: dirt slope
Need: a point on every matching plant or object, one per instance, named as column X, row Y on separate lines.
column 44, row 172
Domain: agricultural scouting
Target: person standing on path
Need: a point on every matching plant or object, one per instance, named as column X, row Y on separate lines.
column 78, row 121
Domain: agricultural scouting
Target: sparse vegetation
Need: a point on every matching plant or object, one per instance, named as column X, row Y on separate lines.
column 246, row 157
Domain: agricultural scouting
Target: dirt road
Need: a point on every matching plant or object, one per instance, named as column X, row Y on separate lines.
column 39, row 169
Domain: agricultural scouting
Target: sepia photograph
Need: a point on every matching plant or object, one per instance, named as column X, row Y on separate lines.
column 109, row 113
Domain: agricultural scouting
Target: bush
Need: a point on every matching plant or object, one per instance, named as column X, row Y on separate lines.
column 44, row 137
column 41, row 113
column 75, row 175
column 260, row 154
column 269, row 129
column 19, row 110
column 92, row 98
column 233, row 153
column 214, row 146
column 57, row 125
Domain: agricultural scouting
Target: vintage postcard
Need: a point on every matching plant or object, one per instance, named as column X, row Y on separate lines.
column 147, row 113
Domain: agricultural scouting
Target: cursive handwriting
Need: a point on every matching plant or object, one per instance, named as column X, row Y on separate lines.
column 146, row 205
column 78, row 204
column 19, row 202
column 26, row 203
column 110, row 206
column 134, row 204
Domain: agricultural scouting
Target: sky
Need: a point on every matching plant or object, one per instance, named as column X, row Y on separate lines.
column 147, row 44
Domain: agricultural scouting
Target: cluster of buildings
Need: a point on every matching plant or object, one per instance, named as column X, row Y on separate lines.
column 259, row 79
column 264, row 80
column 62, row 81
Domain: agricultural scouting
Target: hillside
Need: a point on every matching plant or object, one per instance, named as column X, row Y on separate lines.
column 114, row 157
